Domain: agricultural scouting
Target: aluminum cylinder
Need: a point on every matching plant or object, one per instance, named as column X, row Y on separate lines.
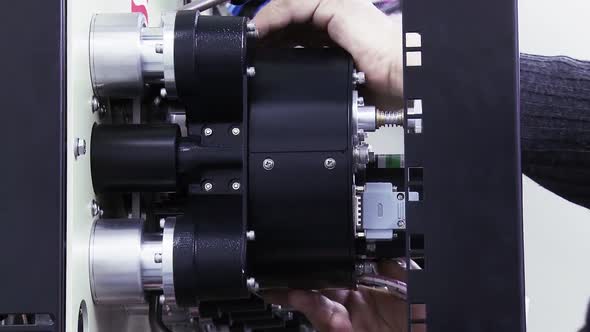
column 124, row 262
column 125, row 54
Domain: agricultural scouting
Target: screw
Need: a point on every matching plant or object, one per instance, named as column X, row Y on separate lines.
column 251, row 235
column 400, row 197
column 96, row 210
column 236, row 185
column 401, row 223
column 162, row 223
column 360, row 101
column 330, row 163
column 251, row 71
column 158, row 258
column 235, row 131
column 208, row 186
column 162, row 299
column 251, row 30
column 79, row 147
column 163, row 93
column 359, row 78
column 95, row 104
column 159, row 48
column 252, row 284
column 208, row 131
column 268, row 164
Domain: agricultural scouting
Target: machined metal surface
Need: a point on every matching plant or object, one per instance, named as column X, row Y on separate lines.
column 125, row 262
column 168, row 260
column 168, row 22
column 116, row 64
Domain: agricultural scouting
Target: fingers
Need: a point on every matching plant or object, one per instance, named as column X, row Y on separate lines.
column 373, row 39
column 324, row 314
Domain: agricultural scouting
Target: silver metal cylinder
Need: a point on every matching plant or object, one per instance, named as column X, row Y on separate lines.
column 124, row 262
column 367, row 118
column 125, row 55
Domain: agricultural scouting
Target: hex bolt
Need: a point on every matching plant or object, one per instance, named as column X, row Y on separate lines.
column 251, row 235
column 330, row 163
column 359, row 78
column 158, row 258
column 162, row 223
column 208, row 186
column 159, row 48
column 268, row 164
column 235, row 131
column 208, row 131
column 163, row 93
column 236, row 185
column 95, row 209
column 251, row 71
column 79, row 147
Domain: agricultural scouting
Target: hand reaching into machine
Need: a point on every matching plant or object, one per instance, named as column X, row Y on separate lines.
column 373, row 39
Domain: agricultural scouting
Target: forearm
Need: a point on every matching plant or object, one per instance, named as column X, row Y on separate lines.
column 555, row 124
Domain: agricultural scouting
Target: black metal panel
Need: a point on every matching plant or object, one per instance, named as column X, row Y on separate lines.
column 32, row 132
column 470, row 215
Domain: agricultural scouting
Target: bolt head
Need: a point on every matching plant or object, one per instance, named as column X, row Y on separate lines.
column 401, row 197
column 330, row 163
column 162, row 223
column 359, row 78
column 252, row 284
column 401, row 223
column 251, row 71
column 251, row 27
column 235, row 131
column 208, row 186
column 158, row 258
column 163, row 93
column 251, row 235
column 236, row 185
column 79, row 147
column 95, row 104
column 360, row 101
column 208, row 131
column 268, row 164
column 162, row 299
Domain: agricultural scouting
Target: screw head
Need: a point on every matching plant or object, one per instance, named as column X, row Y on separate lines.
column 360, row 101
column 235, row 131
column 251, row 27
column 95, row 209
column 251, row 235
column 163, row 93
column 158, row 258
column 252, row 284
column 95, row 104
column 401, row 223
column 236, row 185
column 162, row 299
column 268, row 164
column 162, row 223
column 208, row 186
column 79, row 147
column 208, row 131
column 401, row 197
column 330, row 163
column 251, row 71
column 359, row 77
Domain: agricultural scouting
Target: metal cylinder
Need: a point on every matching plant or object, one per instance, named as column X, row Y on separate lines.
column 129, row 158
column 125, row 55
column 122, row 264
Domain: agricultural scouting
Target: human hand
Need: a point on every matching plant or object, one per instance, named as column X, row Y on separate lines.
column 373, row 39
column 365, row 309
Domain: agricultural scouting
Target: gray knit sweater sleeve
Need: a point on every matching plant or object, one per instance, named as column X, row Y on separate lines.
column 555, row 124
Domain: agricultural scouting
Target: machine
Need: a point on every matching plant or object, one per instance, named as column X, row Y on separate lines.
column 209, row 167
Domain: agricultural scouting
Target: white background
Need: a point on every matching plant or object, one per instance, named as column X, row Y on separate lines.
column 557, row 233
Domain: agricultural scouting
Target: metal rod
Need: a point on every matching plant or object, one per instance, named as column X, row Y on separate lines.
column 201, row 5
